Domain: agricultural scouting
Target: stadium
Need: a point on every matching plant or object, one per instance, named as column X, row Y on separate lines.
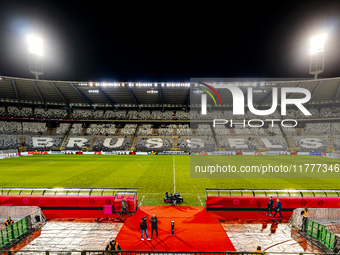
column 73, row 150
column 139, row 130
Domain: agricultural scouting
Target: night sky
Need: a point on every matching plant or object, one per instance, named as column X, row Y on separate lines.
column 170, row 41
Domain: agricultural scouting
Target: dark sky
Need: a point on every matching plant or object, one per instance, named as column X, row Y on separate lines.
column 170, row 41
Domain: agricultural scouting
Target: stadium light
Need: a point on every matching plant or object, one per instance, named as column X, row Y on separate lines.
column 35, row 45
column 35, row 49
column 317, row 44
column 317, row 56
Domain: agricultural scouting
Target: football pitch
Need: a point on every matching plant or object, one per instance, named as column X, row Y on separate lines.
column 152, row 175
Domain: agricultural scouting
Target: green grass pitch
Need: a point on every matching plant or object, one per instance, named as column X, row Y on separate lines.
column 152, row 175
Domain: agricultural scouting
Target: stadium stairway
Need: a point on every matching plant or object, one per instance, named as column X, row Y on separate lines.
column 330, row 142
column 258, row 143
column 134, row 141
column 83, row 132
column 232, row 132
column 300, row 131
column 266, row 131
column 291, row 142
column 217, row 144
column 175, row 143
column 64, row 140
column 51, row 131
column 94, row 140
column 117, row 132
column 195, row 230
column 155, row 132
column 22, row 141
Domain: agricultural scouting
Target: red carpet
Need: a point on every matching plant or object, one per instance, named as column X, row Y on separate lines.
column 195, row 230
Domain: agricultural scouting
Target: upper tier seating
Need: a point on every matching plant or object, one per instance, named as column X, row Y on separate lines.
column 87, row 114
column 134, row 115
column 158, row 115
column 297, row 114
column 50, row 114
column 329, row 113
column 181, row 115
column 111, row 115
column 24, row 112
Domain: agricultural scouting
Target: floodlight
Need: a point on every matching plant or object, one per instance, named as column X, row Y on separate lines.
column 317, row 43
column 317, row 56
column 35, row 48
column 35, row 45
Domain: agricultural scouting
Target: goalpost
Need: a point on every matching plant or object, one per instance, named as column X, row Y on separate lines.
column 8, row 153
column 335, row 154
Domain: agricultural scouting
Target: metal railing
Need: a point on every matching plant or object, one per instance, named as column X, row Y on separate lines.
column 314, row 227
column 14, row 233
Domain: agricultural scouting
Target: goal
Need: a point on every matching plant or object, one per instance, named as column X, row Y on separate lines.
column 8, row 154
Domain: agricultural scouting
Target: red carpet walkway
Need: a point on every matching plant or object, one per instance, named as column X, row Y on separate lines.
column 195, row 230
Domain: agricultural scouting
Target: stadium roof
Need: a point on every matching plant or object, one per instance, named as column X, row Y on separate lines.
column 21, row 91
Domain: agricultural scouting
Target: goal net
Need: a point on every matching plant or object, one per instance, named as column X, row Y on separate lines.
column 8, row 153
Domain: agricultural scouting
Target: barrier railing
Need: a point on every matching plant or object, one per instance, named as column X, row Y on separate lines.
column 316, row 231
column 13, row 233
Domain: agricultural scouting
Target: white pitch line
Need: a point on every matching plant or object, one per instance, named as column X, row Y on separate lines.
column 141, row 201
column 173, row 166
column 200, row 200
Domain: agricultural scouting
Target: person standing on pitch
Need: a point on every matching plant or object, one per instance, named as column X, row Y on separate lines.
column 143, row 226
column 270, row 206
column 278, row 208
column 154, row 221
column 124, row 207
